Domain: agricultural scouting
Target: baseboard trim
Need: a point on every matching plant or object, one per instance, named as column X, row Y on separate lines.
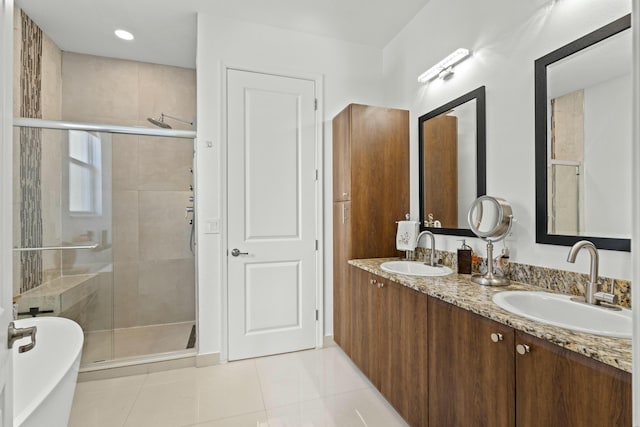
column 209, row 359
column 327, row 341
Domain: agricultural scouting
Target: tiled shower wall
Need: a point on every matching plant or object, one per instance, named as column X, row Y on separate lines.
column 40, row 69
column 154, row 270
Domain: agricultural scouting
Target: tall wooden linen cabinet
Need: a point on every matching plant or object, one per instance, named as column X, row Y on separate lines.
column 370, row 193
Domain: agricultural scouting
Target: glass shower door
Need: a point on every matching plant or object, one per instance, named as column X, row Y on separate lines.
column 63, row 262
column 103, row 235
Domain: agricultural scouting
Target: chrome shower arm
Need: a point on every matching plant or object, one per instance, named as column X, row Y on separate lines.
column 176, row 118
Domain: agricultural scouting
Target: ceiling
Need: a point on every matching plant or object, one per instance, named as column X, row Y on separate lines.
column 165, row 30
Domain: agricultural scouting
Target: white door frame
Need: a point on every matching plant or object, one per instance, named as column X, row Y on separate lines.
column 318, row 80
column 6, row 190
column 635, row 195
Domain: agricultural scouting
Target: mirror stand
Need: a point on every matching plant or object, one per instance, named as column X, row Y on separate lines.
column 490, row 218
column 490, row 278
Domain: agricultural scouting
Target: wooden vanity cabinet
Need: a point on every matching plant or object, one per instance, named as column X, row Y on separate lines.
column 389, row 324
column 471, row 369
column 479, row 378
column 558, row 387
column 364, row 324
column 370, row 193
column 342, row 286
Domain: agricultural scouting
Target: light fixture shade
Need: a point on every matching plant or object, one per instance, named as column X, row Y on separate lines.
column 454, row 58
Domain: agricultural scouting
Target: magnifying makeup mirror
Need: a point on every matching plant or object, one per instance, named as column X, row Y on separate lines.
column 490, row 218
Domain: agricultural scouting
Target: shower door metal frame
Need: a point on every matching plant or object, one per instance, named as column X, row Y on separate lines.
column 96, row 127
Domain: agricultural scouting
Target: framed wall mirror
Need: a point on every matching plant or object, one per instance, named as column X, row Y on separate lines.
column 583, row 125
column 452, row 151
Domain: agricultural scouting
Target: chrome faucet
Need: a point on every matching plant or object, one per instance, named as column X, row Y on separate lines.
column 433, row 246
column 592, row 296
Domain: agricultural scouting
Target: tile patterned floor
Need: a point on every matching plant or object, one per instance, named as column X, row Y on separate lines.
column 315, row 388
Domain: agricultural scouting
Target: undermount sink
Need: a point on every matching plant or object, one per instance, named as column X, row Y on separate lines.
column 415, row 268
column 560, row 310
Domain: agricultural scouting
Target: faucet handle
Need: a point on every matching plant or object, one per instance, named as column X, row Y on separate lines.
column 607, row 297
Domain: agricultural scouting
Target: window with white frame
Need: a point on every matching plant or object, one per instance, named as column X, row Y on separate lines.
column 85, row 173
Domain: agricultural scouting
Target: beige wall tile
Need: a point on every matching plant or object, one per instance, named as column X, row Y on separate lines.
column 97, row 89
column 170, row 90
column 125, row 162
column 163, row 286
column 125, row 226
column 51, row 102
column 126, row 298
column 164, row 232
column 164, row 164
column 98, row 311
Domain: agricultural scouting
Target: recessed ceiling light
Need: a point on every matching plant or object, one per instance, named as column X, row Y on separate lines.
column 124, row 35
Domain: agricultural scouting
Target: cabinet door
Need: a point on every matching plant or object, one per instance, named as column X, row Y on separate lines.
column 342, row 156
column 341, row 281
column 364, row 323
column 379, row 178
column 402, row 351
column 558, row 387
column 471, row 377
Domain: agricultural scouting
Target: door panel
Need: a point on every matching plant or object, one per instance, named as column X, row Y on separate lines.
column 267, row 284
column 276, row 200
column 272, row 214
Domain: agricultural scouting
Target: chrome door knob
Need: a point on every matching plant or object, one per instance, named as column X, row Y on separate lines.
column 236, row 252
column 523, row 349
column 496, row 337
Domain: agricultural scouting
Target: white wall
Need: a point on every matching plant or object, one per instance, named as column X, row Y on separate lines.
column 351, row 72
column 506, row 37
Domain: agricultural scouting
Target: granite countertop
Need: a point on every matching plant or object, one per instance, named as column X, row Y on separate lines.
column 458, row 290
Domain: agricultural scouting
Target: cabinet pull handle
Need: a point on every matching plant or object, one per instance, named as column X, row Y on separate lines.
column 344, row 214
column 380, row 285
column 344, row 194
column 523, row 349
column 496, row 337
column 372, row 281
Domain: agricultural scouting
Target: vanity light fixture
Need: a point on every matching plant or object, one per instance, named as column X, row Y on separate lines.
column 444, row 68
column 123, row 34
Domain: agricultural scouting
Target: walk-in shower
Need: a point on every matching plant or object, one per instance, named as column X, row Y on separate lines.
column 100, row 236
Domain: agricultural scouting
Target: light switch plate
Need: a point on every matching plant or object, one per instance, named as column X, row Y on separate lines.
column 212, row 226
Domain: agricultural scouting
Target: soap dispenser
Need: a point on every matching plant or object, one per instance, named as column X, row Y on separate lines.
column 464, row 259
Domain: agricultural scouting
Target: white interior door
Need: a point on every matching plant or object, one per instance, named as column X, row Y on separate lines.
column 271, row 214
column 6, row 236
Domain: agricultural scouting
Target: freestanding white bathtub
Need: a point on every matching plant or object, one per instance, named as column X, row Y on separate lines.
column 44, row 379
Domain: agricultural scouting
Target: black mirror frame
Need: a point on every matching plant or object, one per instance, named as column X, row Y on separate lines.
column 542, row 235
column 479, row 95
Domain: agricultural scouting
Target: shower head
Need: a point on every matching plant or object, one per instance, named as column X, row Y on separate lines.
column 159, row 122
column 164, row 125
